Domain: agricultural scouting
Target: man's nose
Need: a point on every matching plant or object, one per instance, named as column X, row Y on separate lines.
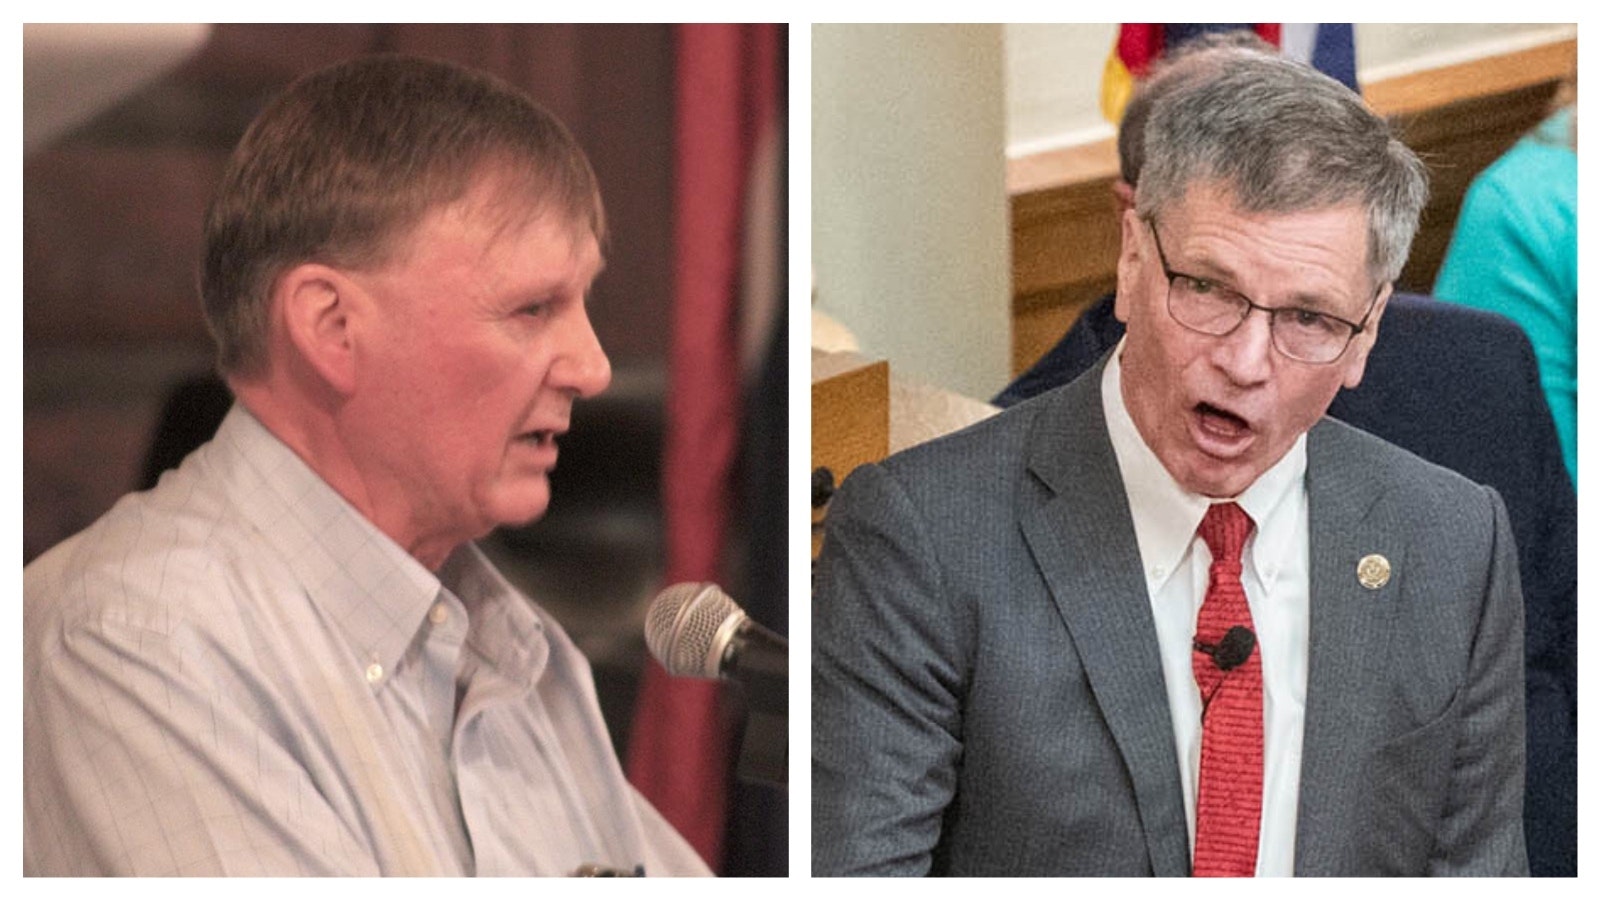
column 1245, row 354
column 582, row 365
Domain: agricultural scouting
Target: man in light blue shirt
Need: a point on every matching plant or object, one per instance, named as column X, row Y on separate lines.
column 289, row 657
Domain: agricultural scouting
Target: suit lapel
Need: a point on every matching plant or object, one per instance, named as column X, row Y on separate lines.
column 1083, row 542
column 1350, row 626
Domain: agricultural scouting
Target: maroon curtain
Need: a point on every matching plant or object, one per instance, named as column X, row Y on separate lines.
column 680, row 748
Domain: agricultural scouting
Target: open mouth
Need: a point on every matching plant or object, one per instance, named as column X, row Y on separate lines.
column 1221, row 422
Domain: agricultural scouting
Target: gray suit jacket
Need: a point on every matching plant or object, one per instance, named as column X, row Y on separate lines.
column 987, row 695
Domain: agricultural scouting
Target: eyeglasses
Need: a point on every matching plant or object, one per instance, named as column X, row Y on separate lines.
column 1303, row 335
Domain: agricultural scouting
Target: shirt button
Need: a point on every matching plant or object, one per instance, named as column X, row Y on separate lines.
column 1158, row 573
column 439, row 614
column 374, row 673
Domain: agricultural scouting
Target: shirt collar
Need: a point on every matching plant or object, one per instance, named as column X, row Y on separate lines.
column 369, row 587
column 1165, row 516
column 508, row 632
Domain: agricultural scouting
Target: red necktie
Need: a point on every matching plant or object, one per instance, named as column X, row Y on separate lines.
column 1228, row 811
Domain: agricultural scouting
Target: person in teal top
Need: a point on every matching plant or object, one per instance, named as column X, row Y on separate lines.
column 1515, row 252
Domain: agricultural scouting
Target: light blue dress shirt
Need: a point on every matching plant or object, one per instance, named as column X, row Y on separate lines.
column 237, row 674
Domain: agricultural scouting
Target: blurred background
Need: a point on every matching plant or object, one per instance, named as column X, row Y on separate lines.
column 127, row 129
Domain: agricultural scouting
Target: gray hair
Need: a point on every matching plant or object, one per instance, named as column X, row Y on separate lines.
column 1284, row 138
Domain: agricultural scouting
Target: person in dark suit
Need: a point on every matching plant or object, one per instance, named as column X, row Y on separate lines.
column 1169, row 619
column 1460, row 388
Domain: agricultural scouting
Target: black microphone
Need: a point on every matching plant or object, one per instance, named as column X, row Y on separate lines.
column 696, row 630
column 1232, row 651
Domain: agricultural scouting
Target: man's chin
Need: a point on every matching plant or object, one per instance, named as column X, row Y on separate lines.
column 523, row 506
column 1209, row 478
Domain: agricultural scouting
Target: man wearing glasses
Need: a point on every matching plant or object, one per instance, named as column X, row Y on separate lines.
column 1168, row 619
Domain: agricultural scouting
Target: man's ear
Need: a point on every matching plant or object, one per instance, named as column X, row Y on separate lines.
column 1128, row 268
column 316, row 306
column 1123, row 192
column 1356, row 365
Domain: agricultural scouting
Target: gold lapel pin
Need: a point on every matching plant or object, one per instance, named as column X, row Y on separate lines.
column 1373, row 571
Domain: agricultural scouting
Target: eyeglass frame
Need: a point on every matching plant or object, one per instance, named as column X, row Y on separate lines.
column 1251, row 306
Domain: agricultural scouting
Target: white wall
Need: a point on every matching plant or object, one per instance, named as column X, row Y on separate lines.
column 1053, row 71
column 910, row 232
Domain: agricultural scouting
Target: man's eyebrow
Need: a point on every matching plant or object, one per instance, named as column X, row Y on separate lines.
column 1204, row 266
column 1315, row 303
column 556, row 282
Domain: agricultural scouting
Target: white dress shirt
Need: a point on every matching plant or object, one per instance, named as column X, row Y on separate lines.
column 237, row 674
column 1276, row 582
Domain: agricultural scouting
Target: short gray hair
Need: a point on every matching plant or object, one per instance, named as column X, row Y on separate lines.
column 1283, row 138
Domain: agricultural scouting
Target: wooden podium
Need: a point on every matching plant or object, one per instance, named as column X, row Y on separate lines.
column 861, row 413
column 849, row 423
